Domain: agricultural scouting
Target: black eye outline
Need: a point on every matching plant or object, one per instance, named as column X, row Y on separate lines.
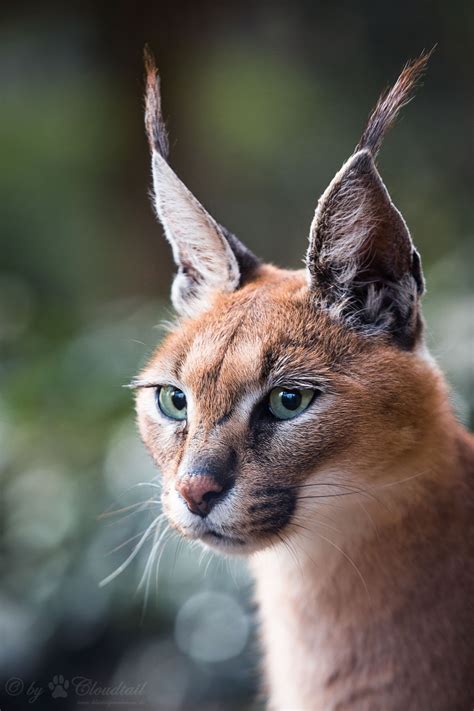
column 164, row 399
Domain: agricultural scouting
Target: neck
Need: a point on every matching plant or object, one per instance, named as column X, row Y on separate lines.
column 347, row 564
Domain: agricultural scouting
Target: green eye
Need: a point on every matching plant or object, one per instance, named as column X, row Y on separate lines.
column 172, row 402
column 286, row 404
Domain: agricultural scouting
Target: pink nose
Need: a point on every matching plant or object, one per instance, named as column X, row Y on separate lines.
column 200, row 492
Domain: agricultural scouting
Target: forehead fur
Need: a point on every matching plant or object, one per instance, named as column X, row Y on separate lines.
column 269, row 329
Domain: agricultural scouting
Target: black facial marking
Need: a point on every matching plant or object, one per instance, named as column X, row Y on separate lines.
column 261, row 506
column 262, row 427
column 273, row 509
column 225, row 418
column 270, row 491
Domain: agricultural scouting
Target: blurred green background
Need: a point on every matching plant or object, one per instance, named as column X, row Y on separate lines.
column 264, row 101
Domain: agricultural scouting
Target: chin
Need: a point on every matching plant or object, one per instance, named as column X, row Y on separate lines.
column 224, row 544
column 232, row 546
column 228, row 543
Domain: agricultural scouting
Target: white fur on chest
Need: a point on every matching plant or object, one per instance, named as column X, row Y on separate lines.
column 298, row 638
column 316, row 613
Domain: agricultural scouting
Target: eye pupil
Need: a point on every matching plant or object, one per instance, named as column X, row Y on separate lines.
column 172, row 402
column 286, row 403
column 178, row 398
column 291, row 400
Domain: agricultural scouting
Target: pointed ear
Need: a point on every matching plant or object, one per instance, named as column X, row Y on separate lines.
column 361, row 260
column 208, row 257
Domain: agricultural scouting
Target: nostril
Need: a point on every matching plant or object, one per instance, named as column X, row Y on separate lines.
column 200, row 492
column 211, row 496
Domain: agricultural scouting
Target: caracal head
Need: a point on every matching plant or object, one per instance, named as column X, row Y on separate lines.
column 277, row 390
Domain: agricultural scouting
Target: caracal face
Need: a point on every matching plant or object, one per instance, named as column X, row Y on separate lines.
column 265, row 336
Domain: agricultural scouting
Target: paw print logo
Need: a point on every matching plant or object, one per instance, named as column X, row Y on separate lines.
column 58, row 686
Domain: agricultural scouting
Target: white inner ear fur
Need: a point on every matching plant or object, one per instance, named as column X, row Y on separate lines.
column 205, row 260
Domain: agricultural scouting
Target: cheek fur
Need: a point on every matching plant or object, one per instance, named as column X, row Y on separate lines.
column 289, row 452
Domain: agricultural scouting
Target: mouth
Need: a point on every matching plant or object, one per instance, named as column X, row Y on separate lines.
column 213, row 538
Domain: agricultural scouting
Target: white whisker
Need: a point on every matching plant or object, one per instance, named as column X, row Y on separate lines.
column 348, row 558
column 158, row 537
column 131, row 557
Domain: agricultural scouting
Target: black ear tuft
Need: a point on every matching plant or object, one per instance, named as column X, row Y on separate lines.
column 154, row 124
column 390, row 104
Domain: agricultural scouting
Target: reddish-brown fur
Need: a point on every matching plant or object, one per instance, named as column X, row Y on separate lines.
column 357, row 515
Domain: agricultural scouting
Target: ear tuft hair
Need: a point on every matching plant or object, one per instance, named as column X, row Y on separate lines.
column 154, row 124
column 390, row 104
